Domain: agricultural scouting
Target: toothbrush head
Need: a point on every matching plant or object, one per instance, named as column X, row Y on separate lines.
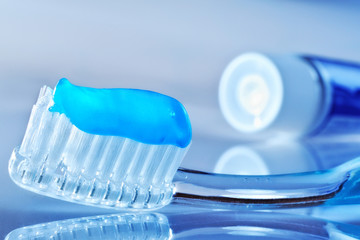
column 113, row 148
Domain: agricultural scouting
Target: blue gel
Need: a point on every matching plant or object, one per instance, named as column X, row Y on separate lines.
column 140, row 115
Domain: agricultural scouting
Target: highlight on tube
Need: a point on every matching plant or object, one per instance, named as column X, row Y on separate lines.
column 248, row 95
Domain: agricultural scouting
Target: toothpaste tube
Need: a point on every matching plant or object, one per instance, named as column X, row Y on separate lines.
column 290, row 95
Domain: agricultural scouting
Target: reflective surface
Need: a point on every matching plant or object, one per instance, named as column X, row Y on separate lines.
column 222, row 225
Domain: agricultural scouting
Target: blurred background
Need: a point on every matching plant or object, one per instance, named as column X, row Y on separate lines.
column 175, row 48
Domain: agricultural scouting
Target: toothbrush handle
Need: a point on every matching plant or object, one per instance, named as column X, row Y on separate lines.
column 258, row 191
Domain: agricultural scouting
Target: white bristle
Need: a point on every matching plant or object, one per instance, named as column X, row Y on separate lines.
column 164, row 165
column 59, row 160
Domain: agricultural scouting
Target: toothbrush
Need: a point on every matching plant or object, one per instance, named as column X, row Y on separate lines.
column 105, row 147
column 121, row 149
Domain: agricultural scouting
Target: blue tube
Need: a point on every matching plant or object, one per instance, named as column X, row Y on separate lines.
column 342, row 83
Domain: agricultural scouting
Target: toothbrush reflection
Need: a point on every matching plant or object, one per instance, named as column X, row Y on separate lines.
column 209, row 225
column 120, row 226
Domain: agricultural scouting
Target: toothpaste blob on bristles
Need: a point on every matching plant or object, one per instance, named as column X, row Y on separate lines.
column 141, row 115
column 114, row 148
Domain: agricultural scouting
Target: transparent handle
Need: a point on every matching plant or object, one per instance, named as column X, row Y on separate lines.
column 263, row 190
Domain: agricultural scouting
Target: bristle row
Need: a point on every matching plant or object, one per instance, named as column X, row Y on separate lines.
column 62, row 160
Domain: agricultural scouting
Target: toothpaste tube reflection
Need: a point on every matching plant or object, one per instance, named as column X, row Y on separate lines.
column 290, row 95
column 285, row 157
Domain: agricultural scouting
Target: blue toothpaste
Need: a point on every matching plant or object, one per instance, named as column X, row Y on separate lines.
column 141, row 115
column 115, row 148
column 264, row 95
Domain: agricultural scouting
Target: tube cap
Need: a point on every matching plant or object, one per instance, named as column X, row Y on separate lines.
column 270, row 94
